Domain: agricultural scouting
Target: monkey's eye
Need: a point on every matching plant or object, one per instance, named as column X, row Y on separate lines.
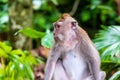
column 57, row 25
column 74, row 25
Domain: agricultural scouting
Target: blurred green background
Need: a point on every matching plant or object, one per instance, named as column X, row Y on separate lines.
column 26, row 34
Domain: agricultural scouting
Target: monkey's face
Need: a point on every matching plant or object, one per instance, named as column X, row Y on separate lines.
column 64, row 30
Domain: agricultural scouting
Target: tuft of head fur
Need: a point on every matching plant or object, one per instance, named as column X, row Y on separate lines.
column 65, row 15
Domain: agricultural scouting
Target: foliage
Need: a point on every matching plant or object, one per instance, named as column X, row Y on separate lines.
column 108, row 42
column 115, row 76
column 16, row 64
column 104, row 13
column 47, row 40
column 3, row 16
column 32, row 33
column 91, row 14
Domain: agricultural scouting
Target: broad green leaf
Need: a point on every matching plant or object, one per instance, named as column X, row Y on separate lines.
column 5, row 47
column 40, row 60
column 14, row 58
column 11, row 66
column 9, row 69
column 30, row 60
column 3, row 53
column 29, row 71
column 47, row 40
column 115, row 76
column 17, row 52
column 4, row 1
column 32, row 33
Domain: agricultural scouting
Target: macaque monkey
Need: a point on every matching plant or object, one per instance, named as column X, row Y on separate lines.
column 73, row 56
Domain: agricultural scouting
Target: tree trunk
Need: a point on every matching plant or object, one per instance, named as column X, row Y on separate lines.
column 20, row 17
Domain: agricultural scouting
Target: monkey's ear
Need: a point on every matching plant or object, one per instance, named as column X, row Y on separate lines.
column 74, row 25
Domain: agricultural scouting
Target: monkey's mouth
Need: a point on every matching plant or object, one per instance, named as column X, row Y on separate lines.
column 59, row 37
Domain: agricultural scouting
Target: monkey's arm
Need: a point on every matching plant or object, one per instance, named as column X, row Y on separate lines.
column 50, row 66
column 93, row 60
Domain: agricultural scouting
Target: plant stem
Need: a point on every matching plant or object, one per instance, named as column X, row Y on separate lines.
column 3, row 62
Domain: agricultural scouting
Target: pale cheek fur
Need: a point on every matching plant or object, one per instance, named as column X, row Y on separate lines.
column 60, row 36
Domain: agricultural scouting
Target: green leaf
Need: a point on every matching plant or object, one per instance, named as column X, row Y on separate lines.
column 32, row 33
column 30, row 60
column 17, row 52
column 115, row 76
column 103, row 17
column 5, row 47
column 4, row 1
column 95, row 2
column 19, row 64
column 85, row 16
column 104, row 7
column 117, row 19
column 3, row 53
column 14, row 58
column 29, row 71
column 2, row 73
column 47, row 40
column 108, row 42
column 55, row 2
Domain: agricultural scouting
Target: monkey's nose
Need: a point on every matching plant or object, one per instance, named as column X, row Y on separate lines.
column 56, row 34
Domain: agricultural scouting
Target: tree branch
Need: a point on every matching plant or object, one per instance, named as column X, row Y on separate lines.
column 118, row 4
column 75, row 6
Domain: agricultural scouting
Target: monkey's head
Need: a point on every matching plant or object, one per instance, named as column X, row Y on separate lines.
column 65, row 29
